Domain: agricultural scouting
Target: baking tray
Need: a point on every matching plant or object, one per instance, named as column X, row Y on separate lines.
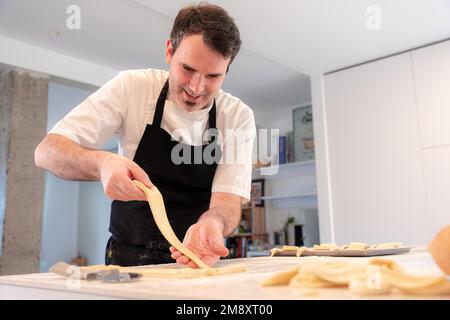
column 345, row 252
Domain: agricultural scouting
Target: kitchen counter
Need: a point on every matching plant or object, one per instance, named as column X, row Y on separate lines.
column 231, row 287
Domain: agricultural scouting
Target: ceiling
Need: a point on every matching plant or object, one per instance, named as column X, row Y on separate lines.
column 284, row 41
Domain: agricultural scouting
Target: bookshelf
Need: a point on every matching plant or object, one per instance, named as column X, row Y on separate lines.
column 255, row 233
column 292, row 185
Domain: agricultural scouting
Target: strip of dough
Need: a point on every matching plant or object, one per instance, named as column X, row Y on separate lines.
column 156, row 203
column 62, row 268
column 184, row 273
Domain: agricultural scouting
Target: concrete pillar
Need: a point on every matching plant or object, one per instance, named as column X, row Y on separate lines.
column 23, row 124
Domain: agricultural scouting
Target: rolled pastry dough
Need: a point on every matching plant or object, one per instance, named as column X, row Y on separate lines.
column 156, row 203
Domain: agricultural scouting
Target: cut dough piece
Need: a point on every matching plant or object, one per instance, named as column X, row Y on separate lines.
column 416, row 284
column 392, row 274
column 300, row 251
column 377, row 277
column 274, row 251
column 364, row 285
column 355, row 246
column 388, row 245
column 334, row 272
column 325, row 246
column 289, row 248
column 156, row 203
column 389, row 264
column 308, row 280
column 280, row 278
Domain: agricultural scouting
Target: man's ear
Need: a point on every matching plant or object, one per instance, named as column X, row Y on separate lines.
column 169, row 51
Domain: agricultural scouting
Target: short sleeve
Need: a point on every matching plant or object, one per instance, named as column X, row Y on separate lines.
column 234, row 172
column 100, row 116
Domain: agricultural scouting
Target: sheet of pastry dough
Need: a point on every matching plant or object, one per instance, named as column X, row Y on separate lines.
column 357, row 278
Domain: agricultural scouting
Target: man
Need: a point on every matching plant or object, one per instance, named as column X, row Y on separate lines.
column 150, row 110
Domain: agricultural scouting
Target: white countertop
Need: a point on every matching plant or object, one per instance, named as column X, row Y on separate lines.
column 226, row 287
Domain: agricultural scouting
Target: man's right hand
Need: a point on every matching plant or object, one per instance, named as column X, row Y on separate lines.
column 117, row 174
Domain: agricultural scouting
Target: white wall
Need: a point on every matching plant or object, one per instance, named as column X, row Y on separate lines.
column 76, row 214
column 93, row 222
column 60, row 223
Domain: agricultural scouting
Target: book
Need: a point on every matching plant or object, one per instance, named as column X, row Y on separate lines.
column 290, row 146
column 282, row 150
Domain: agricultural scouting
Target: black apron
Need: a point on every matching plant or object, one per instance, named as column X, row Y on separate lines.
column 185, row 187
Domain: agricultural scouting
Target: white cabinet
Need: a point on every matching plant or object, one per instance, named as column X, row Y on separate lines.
column 431, row 66
column 376, row 173
column 387, row 146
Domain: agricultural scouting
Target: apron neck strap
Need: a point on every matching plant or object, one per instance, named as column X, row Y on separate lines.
column 157, row 118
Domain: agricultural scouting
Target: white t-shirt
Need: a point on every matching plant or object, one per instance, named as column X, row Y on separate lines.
column 126, row 104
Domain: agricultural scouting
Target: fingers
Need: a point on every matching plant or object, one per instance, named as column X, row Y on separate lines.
column 175, row 253
column 192, row 265
column 178, row 256
column 117, row 173
column 126, row 190
column 215, row 243
column 181, row 259
column 219, row 249
column 139, row 174
column 210, row 260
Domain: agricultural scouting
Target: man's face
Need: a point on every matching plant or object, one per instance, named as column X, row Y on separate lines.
column 196, row 73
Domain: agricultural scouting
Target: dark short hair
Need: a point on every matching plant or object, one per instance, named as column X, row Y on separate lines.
column 213, row 22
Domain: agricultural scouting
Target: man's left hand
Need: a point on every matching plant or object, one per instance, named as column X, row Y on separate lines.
column 205, row 239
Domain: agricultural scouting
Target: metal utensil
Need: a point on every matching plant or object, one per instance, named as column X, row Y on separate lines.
column 109, row 275
column 113, row 276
